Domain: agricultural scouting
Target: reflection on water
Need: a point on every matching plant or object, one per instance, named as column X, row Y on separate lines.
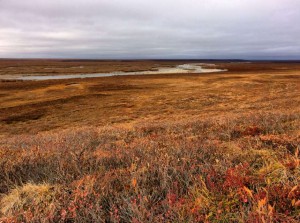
column 184, row 68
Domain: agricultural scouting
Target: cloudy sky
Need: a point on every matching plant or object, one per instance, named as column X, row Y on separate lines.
column 248, row 29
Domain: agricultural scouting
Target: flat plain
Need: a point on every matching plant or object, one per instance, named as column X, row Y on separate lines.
column 34, row 106
column 214, row 147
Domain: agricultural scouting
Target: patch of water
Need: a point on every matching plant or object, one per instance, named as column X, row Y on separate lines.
column 183, row 68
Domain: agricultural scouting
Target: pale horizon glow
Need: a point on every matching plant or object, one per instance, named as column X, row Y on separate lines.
column 150, row 29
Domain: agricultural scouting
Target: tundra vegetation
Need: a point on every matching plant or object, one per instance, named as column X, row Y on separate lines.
column 227, row 152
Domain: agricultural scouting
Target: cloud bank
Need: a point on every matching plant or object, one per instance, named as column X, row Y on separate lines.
column 144, row 29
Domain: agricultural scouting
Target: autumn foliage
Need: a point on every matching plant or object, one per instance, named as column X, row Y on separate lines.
column 226, row 169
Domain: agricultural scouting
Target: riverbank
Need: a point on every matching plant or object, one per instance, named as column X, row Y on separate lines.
column 189, row 68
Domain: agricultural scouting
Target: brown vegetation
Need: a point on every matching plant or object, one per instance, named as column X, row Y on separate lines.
column 166, row 148
column 196, row 170
column 59, row 67
column 34, row 106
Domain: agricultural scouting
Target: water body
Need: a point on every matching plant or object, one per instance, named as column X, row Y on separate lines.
column 184, row 68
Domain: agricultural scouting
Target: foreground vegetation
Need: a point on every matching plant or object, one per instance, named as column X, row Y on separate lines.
column 158, row 148
column 227, row 169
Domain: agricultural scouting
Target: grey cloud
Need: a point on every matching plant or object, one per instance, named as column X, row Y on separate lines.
column 150, row 28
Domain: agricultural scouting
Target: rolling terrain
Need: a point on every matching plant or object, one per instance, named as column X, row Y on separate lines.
column 215, row 147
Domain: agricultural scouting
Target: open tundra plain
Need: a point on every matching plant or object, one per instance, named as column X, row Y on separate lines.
column 184, row 147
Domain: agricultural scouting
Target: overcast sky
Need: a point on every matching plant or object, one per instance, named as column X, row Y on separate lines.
column 248, row 29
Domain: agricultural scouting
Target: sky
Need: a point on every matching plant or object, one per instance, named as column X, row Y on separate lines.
column 150, row 29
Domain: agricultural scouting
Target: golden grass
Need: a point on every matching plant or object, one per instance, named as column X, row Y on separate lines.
column 29, row 195
column 184, row 171
column 31, row 107
column 166, row 148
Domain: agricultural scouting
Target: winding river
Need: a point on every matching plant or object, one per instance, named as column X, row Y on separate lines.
column 184, row 68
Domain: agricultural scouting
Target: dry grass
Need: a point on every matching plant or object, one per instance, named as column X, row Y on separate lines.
column 166, row 148
column 215, row 170
column 59, row 67
column 32, row 107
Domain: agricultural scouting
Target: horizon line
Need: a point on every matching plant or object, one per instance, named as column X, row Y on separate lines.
column 145, row 59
